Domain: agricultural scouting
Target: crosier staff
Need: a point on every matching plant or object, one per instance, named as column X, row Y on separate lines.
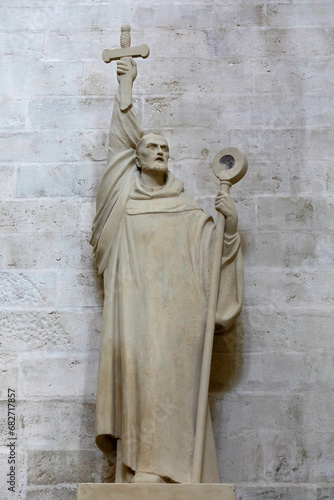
column 229, row 165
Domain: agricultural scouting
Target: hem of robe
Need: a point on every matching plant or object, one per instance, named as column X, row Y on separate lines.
column 111, row 446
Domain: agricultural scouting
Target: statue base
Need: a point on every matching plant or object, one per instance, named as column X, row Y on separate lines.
column 200, row 491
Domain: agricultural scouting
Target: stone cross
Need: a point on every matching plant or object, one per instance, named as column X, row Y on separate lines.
column 125, row 52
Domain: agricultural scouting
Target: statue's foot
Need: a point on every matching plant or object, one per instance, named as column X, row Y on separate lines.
column 146, row 477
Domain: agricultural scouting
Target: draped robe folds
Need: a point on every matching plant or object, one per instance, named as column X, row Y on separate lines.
column 154, row 249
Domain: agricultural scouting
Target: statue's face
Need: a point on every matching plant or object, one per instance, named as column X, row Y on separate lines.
column 153, row 153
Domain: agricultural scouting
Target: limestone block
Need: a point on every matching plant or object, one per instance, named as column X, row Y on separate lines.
column 202, row 15
column 31, row 46
column 264, row 411
column 183, row 74
column 261, row 108
column 267, row 331
column 61, row 467
column 9, row 375
column 277, row 372
column 325, row 492
column 40, row 78
column 280, row 249
column 87, row 216
column 285, row 144
column 55, row 493
column 188, row 110
column 76, row 45
column 13, row 113
column 314, row 75
column 156, row 491
column 330, row 181
column 276, row 492
column 67, row 113
column 307, row 177
column 240, row 456
column 54, row 17
column 318, row 410
column 298, row 457
column 79, row 288
column 50, row 330
column 291, row 288
column 240, row 42
column 65, row 146
column 277, row 42
column 49, row 250
column 48, row 376
column 57, row 423
column 7, row 182
column 295, row 213
column 48, row 180
column 305, row 14
column 27, row 288
column 49, row 215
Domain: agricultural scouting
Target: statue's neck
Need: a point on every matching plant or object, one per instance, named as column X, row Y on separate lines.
column 153, row 179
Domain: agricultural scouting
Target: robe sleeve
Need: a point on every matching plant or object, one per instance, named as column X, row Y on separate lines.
column 231, row 285
column 231, row 276
column 116, row 183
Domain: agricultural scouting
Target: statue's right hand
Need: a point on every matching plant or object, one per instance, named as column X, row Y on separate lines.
column 124, row 66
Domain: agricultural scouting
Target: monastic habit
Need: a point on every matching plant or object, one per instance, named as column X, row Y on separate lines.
column 154, row 249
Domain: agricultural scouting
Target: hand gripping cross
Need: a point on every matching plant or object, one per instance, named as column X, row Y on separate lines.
column 124, row 53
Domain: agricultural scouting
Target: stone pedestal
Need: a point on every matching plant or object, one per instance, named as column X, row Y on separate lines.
column 203, row 491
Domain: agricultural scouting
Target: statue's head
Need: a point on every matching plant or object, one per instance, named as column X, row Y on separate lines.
column 152, row 153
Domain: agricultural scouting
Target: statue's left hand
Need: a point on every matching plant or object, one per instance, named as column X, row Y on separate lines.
column 225, row 205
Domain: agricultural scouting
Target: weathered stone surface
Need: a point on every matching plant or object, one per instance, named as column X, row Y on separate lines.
column 50, row 330
column 57, row 424
column 35, row 146
column 293, row 287
column 40, row 78
column 276, row 492
column 48, row 215
column 53, row 467
column 263, row 330
column 9, row 374
column 7, row 182
column 52, row 493
column 264, row 411
column 60, row 251
column 45, row 180
column 79, row 288
column 277, row 372
column 240, row 461
column 67, row 377
column 288, row 456
column 27, row 289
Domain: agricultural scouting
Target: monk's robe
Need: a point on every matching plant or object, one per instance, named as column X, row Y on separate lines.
column 154, row 249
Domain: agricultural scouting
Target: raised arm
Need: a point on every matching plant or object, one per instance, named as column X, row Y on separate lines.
column 116, row 183
column 125, row 129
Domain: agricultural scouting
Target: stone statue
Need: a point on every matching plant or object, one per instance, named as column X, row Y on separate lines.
column 153, row 245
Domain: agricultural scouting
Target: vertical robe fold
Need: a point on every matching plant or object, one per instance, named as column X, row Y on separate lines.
column 154, row 250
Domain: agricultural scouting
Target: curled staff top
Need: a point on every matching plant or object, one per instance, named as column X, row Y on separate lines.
column 230, row 164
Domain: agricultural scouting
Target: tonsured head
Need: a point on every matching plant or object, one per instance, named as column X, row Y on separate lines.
column 153, row 153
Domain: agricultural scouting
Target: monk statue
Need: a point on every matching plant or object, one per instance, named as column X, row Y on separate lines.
column 153, row 245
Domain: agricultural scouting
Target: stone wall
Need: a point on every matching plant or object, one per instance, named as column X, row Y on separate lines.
column 249, row 74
